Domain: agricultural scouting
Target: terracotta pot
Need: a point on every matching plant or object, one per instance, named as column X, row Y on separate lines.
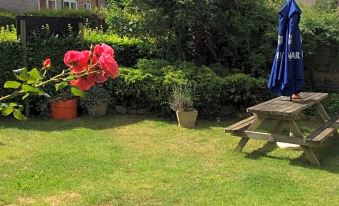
column 64, row 110
column 97, row 109
column 187, row 118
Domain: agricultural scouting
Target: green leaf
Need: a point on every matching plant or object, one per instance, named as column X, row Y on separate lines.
column 18, row 115
column 21, row 74
column 29, row 89
column 60, row 86
column 13, row 104
column 31, row 81
column 35, row 74
column 77, row 92
column 25, row 96
column 12, row 84
column 7, row 111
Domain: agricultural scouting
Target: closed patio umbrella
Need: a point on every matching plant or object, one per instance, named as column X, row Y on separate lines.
column 287, row 73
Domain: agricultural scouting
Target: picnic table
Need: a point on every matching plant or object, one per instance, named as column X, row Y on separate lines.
column 280, row 112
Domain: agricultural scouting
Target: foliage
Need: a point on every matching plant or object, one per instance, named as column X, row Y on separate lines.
column 84, row 70
column 150, row 86
column 181, row 98
column 7, row 33
column 234, row 33
column 96, row 95
column 7, row 17
column 319, row 28
column 93, row 18
column 327, row 5
column 332, row 104
column 128, row 50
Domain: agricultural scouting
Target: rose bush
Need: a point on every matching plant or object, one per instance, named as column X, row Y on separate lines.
column 85, row 69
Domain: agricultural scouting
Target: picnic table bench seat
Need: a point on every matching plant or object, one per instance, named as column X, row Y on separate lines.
column 324, row 131
column 238, row 128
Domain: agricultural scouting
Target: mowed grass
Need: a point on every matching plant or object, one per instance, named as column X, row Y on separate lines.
column 136, row 160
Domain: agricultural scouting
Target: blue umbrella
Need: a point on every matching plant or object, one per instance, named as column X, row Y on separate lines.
column 287, row 73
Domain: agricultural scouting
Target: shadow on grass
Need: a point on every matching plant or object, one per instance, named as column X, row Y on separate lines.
column 94, row 123
column 328, row 155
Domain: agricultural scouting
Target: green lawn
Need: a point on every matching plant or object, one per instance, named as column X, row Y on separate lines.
column 135, row 160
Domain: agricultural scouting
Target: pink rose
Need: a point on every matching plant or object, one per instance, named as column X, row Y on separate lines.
column 108, row 64
column 83, row 83
column 46, row 64
column 78, row 61
column 101, row 77
column 103, row 49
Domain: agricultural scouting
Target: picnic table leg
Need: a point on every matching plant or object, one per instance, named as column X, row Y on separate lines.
column 295, row 130
column 257, row 122
column 308, row 152
column 322, row 112
column 241, row 144
column 324, row 116
column 310, row 156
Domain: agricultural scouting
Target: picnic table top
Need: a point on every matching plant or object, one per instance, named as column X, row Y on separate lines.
column 282, row 106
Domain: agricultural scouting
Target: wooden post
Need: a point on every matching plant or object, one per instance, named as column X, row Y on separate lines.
column 81, row 32
column 23, row 40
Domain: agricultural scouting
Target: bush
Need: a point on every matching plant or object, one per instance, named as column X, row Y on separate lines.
column 93, row 18
column 127, row 50
column 150, row 86
column 237, row 34
column 7, row 18
column 11, row 54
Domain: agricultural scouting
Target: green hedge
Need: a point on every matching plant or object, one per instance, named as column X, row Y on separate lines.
column 150, row 84
column 7, row 18
column 93, row 18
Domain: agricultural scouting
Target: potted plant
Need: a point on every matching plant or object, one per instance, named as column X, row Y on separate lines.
column 96, row 101
column 182, row 103
column 64, row 106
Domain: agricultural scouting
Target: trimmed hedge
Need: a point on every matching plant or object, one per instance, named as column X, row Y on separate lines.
column 7, row 18
column 93, row 18
column 149, row 87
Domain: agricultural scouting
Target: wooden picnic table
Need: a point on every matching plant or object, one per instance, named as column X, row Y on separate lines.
column 281, row 112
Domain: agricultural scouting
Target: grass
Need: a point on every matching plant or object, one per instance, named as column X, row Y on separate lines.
column 135, row 160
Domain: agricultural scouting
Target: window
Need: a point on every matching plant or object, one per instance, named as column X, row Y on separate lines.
column 51, row 4
column 87, row 6
column 70, row 4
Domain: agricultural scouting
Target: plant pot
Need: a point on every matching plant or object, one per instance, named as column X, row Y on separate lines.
column 64, row 110
column 187, row 118
column 97, row 109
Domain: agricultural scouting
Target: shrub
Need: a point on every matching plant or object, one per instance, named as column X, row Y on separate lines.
column 7, row 18
column 237, row 34
column 93, row 18
column 128, row 50
column 150, row 86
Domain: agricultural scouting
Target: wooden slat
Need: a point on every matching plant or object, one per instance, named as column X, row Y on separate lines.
column 260, row 106
column 308, row 102
column 241, row 124
column 324, row 131
column 283, row 106
column 278, row 138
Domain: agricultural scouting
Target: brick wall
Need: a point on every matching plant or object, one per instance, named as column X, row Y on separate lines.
column 81, row 3
column 19, row 5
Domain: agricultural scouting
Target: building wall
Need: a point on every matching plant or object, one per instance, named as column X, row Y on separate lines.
column 28, row 5
column 19, row 5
